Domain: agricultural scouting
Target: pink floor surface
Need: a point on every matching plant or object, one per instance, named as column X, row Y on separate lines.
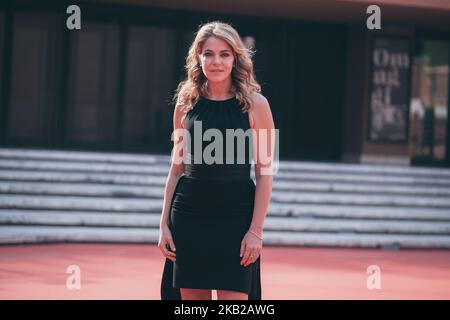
column 119, row 271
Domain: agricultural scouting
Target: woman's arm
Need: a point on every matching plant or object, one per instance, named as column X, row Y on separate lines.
column 176, row 166
column 263, row 134
column 176, row 170
column 263, row 149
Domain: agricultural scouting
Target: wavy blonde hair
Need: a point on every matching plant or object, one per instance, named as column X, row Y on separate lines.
column 243, row 82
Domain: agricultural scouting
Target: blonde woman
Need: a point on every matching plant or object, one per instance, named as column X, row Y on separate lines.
column 211, row 227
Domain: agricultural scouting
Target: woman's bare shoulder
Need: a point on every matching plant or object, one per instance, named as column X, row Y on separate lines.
column 258, row 97
column 178, row 116
column 259, row 108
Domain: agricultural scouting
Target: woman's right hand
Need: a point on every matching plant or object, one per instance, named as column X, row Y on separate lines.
column 166, row 241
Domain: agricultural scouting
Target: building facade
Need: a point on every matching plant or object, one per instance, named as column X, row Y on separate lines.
column 338, row 91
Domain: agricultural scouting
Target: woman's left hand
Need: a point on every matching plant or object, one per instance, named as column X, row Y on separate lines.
column 251, row 247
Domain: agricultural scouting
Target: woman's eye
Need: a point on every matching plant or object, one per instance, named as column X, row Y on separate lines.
column 223, row 55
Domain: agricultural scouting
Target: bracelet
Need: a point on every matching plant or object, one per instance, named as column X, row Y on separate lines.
column 255, row 234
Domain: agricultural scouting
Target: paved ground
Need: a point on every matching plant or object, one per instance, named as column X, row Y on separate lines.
column 119, row 271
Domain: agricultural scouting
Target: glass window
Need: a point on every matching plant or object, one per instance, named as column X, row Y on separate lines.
column 429, row 104
column 149, row 78
column 35, row 77
column 93, row 84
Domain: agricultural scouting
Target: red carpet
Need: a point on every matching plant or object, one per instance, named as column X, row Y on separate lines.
column 116, row 271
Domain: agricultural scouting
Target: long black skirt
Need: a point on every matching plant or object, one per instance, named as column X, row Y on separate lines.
column 208, row 220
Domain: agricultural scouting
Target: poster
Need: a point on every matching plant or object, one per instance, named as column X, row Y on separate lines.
column 390, row 89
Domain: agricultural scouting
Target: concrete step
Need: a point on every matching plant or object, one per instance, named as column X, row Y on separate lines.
column 130, row 191
column 364, row 169
column 48, row 234
column 63, row 166
column 291, row 224
column 162, row 170
column 357, row 240
column 108, row 157
column 71, row 155
column 360, row 188
column 45, row 234
column 359, row 212
column 80, row 203
column 57, row 196
column 316, row 210
column 82, row 189
column 7, row 176
column 13, row 177
column 356, row 226
column 356, row 199
column 78, row 218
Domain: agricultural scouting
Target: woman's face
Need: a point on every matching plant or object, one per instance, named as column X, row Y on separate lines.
column 216, row 59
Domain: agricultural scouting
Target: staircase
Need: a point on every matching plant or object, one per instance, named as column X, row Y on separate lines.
column 66, row 196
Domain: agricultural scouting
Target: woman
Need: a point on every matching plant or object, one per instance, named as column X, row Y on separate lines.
column 213, row 214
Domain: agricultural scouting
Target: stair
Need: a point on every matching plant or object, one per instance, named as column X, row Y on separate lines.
column 69, row 196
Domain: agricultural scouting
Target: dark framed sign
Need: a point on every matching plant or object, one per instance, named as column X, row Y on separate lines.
column 389, row 94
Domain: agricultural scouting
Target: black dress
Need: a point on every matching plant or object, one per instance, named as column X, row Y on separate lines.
column 211, row 210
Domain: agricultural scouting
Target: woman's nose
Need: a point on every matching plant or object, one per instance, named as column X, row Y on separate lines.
column 216, row 60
